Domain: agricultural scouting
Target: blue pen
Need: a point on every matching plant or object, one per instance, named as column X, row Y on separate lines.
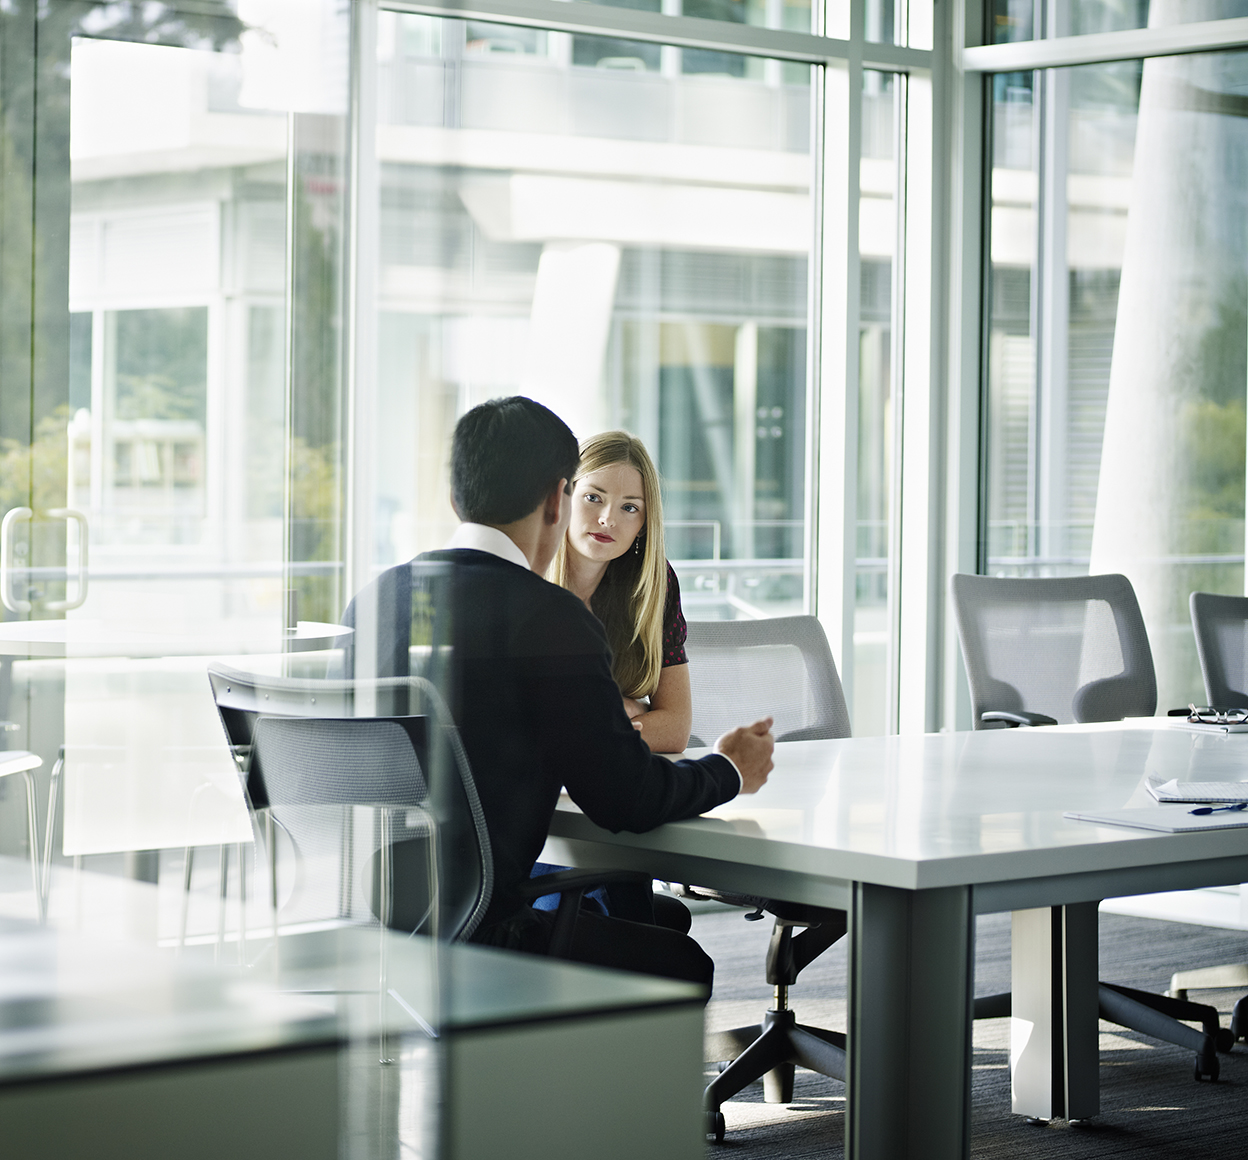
column 1202, row 810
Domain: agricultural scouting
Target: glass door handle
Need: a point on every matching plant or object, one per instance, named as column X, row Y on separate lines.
column 83, row 540
column 11, row 602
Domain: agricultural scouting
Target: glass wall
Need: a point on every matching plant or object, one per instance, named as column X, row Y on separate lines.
column 1118, row 346
column 622, row 231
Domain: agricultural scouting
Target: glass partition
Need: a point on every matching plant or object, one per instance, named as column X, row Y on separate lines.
column 172, row 413
column 1117, row 348
column 567, row 218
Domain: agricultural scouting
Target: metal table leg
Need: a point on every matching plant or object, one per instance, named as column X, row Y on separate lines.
column 910, row 1002
column 1054, row 1053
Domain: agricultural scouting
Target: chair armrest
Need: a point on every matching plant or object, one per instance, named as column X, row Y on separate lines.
column 571, row 885
column 582, row 880
column 1013, row 719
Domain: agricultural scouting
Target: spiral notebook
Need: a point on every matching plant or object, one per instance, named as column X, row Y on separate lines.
column 1197, row 792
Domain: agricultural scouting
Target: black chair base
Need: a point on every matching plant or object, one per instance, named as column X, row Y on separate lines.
column 769, row 1051
column 1158, row 1016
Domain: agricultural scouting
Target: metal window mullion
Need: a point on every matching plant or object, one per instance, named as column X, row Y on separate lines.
column 920, row 567
column 897, row 388
column 814, row 343
column 1102, row 47
column 1053, row 335
column 1039, row 284
column 361, row 286
column 836, row 523
column 288, row 385
column 966, row 113
column 677, row 31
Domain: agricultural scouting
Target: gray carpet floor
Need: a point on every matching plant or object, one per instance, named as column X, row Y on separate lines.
column 1150, row 1105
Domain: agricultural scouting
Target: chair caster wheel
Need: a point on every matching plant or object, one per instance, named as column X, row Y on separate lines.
column 715, row 1127
column 1202, row 1071
column 1037, row 1122
column 1224, row 1040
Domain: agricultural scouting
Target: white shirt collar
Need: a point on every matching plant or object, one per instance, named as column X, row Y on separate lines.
column 482, row 538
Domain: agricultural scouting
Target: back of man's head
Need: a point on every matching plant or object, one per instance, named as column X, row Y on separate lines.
column 507, row 455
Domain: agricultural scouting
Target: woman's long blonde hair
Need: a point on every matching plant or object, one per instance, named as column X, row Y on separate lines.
column 631, row 597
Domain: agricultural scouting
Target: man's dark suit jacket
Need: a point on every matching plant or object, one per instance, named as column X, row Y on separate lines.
column 537, row 709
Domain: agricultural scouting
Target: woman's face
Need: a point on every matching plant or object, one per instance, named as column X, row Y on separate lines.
column 608, row 512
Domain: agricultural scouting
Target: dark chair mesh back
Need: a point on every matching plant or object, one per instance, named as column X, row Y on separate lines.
column 1073, row 648
column 1221, row 626
column 318, row 761
column 741, row 670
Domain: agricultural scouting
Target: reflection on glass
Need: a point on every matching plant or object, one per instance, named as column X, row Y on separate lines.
column 622, row 236
column 877, row 241
column 880, row 21
column 1014, row 20
column 168, row 267
column 793, row 15
column 1119, row 344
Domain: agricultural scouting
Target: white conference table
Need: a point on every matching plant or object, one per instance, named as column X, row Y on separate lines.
column 914, row 837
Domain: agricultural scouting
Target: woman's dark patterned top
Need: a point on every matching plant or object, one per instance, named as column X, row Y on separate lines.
column 674, row 628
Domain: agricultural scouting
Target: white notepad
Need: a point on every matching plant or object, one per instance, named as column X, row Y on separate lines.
column 1197, row 791
column 1166, row 819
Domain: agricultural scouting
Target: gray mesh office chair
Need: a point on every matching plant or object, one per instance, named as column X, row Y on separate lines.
column 740, row 671
column 1057, row 651
column 1221, row 627
column 781, row 667
column 1053, row 651
column 302, row 743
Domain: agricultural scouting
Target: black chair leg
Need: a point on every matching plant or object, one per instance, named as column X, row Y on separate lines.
column 1158, row 1016
column 1239, row 1019
column 819, row 1050
column 725, row 1046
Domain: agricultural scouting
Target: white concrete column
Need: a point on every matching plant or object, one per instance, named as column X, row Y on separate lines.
column 1184, row 276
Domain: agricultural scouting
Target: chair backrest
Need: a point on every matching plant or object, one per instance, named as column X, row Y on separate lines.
column 311, row 761
column 741, row 670
column 1071, row 647
column 1221, row 627
column 303, row 742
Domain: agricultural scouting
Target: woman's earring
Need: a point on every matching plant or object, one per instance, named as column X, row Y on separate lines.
column 637, row 546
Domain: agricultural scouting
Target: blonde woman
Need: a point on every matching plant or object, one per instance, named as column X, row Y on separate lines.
column 613, row 559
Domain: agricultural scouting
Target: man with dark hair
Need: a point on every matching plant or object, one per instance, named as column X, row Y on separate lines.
column 532, row 691
column 504, row 456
